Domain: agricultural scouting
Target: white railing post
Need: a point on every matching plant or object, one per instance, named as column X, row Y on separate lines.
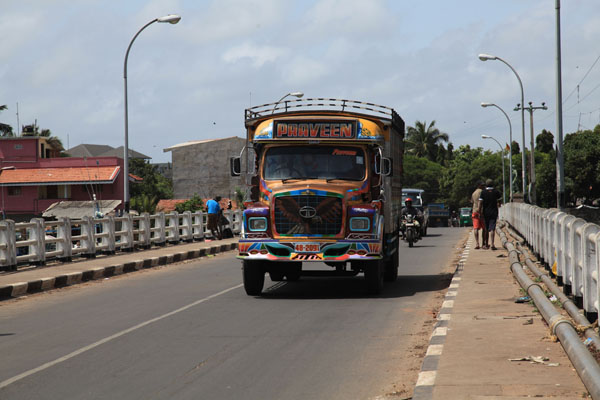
column 160, row 225
column 237, row 221
column 88, row 240
column 109, row 225
column 198, row 225
column 145, row 230
column 187, row 228
column 173, row 227
column 589, row 240
column 36, row 234
column 64, row 245
column 127, row 228
column 8, row 241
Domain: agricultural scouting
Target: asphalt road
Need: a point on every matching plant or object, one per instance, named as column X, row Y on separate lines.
column 189, row 331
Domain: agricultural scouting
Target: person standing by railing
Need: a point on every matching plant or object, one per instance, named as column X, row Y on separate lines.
column 213, row 216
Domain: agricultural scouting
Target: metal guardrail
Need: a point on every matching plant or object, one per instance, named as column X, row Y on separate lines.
column 570, row 242
column 38, row 241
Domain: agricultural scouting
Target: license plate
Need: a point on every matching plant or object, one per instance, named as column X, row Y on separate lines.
column 307, row 247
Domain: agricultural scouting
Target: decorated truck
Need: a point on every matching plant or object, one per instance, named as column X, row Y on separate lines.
column 325, row 180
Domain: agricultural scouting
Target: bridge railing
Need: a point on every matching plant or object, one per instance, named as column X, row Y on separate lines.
column 568, row 245
column 39, row 241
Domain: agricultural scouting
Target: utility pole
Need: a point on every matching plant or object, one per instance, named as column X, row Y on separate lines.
column 531, row 109
column 560, row 171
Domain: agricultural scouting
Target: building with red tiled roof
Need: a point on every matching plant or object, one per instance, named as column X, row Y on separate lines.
column 32, row 177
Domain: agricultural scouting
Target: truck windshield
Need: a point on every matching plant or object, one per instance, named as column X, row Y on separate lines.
column 314, row 162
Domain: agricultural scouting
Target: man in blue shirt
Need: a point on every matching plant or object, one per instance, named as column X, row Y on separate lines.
column 213, row 216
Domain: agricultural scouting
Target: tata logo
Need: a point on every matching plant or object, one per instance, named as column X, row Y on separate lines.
column 307, row 212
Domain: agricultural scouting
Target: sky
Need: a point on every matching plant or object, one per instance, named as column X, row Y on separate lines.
column 63, row 60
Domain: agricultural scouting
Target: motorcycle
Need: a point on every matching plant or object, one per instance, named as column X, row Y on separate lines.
column 410, row 227
column 454, row 221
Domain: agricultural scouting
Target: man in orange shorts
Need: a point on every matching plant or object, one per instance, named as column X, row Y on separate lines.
column 477, row 217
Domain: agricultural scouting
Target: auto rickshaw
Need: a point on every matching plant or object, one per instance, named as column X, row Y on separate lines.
column 465, row 218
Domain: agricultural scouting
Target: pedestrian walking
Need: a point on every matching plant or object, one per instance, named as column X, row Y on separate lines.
column 489, row 202
column 213, row 216
column 476, row 215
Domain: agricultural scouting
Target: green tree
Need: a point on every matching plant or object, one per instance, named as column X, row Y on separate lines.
column 144, row 203
column 515, row 148
column 239, row 197
column 582, row 163
column 153, row 187
column 469, row 166
column 545, row 175
column 194, row 204
column 424, row 140
column 423, row 174
column 5, row 129
column 544, row 142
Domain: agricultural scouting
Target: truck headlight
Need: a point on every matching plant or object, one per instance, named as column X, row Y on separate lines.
column 257, row 224
column 360, row 224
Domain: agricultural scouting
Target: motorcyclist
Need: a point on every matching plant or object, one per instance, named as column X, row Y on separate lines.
column 409, row 209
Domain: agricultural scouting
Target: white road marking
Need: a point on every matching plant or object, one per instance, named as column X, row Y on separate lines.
column 47, row 365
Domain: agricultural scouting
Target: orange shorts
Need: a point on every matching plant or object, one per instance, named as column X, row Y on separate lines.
column 477, row 221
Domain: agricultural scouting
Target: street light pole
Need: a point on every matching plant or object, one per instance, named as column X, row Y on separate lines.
column 172, row 19
column 295, row 94
column 510, row 171
column 485, row 57
column 560, row 171
column 502, row 155
column 531, row 108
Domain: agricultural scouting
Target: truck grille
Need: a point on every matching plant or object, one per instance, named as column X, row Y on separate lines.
column 308, row 215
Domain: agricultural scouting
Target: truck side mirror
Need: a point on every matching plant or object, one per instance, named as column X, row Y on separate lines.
column 235, row 166
column 383, row 166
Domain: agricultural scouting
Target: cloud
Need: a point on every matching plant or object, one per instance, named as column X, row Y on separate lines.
column 342, row 17
column 258, row 55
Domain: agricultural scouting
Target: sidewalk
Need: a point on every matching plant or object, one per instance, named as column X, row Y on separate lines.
column 36, row 279
column 480, row 328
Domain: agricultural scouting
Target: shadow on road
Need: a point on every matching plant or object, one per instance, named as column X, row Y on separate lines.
column 354, row 288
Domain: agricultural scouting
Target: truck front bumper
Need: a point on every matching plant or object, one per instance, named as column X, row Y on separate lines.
column 309, row 250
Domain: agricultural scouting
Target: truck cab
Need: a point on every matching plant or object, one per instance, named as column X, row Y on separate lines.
column 325, row 183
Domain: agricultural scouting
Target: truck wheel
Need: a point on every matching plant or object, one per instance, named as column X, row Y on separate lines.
column 294, row 271
column 391, row 267
column 254, row 277
column 374, row 276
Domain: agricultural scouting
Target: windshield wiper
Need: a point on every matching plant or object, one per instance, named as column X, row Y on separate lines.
column 286, row 180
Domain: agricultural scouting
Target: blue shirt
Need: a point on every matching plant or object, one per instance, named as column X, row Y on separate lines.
column 213, row 206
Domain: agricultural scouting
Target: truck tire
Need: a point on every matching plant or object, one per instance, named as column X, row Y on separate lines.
column 391, row 267
column 374, row 276
column 254, row 277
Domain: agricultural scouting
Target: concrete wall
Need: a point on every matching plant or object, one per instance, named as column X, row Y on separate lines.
column 203, row 168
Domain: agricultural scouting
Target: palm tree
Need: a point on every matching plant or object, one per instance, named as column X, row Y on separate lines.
column 5, row 130
column 424, row 141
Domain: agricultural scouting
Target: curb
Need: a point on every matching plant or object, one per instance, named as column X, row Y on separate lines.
column 73, row 278
column 426, row 380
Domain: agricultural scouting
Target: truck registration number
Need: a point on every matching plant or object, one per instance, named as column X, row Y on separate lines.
column 307, row 247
